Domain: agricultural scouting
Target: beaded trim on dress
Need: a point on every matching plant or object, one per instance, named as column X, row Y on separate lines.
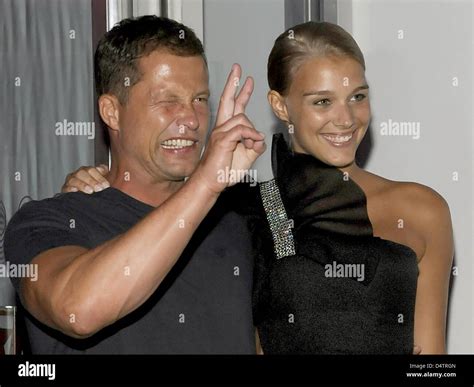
column 280, row 226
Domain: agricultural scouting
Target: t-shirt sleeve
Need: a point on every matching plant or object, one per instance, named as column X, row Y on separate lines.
column 37, row 227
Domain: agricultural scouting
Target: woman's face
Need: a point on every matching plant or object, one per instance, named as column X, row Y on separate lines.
column 328, row 105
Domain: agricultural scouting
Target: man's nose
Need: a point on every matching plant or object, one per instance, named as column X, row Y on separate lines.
column 188, row 117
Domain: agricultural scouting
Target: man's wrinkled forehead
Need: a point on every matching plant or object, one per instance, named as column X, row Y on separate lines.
column 163, row 63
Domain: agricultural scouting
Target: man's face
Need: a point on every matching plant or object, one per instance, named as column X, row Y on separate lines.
column 164, row 122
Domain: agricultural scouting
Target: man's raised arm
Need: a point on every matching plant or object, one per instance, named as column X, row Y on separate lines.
column 90, row 284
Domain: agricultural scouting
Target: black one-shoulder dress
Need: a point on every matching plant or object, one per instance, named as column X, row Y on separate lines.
column 323, row 283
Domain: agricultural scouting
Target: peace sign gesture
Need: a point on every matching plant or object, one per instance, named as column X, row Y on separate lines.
column 231, row 105
column 234, row 143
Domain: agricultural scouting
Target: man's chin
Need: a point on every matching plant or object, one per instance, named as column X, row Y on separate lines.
column 180, row 174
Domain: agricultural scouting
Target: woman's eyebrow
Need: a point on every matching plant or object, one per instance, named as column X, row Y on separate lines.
column 329, row 92
column 318, row 92
column 363, row 87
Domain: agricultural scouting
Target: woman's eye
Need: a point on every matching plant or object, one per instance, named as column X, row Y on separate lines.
column 322, row 102
column 359, row 97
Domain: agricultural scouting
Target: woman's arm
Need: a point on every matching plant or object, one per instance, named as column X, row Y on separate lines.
column 434, row 222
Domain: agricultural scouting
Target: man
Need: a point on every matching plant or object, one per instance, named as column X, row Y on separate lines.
column 158, row 262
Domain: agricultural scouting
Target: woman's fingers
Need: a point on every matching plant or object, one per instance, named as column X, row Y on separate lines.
column 87, row 180
column 103, row 169
column 75, row 184
column 98, row 175
column 66, row 188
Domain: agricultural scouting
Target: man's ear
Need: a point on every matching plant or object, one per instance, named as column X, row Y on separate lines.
column 109, row 111
column 277, row 102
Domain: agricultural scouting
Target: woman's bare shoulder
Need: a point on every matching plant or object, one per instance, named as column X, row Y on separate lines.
column 420, row 204
column 406, row 193
column 423, row 212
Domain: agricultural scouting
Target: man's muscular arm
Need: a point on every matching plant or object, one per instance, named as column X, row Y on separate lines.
column 91, row 285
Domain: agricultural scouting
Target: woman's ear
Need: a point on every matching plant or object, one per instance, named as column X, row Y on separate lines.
column 109, row 111
column 277, row 102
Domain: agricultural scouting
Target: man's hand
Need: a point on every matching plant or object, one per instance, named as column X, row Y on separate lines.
column 234, row 143
column 87, row 180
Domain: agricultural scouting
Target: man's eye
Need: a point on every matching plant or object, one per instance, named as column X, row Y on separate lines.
column 359, row 97
column 201, row 99
column 322, row 102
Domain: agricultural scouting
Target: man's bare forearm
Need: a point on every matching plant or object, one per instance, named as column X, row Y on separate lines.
column 104, row 284
column 83, row 291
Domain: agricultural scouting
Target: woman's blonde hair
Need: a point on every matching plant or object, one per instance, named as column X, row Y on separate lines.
column 311, row 39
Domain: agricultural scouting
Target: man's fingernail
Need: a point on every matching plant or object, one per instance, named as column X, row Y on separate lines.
column 98, row 188
column 73, row 189
column 89, row 189
column 105, row 185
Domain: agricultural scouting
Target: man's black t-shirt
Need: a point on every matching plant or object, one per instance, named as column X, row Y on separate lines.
column 202, row 307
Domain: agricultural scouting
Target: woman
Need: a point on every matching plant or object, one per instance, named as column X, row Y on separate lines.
column 347, row 261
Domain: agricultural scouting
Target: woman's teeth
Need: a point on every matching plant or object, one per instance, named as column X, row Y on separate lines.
column 177, row 144
column 338, row 139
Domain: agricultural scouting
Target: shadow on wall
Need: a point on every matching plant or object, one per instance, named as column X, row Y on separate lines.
column 450, row 295
column 363, row 152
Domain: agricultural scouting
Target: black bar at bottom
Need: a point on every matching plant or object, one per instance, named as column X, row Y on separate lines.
column 184, row 369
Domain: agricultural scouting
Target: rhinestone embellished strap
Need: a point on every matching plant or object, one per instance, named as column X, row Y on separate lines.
column 280, row 226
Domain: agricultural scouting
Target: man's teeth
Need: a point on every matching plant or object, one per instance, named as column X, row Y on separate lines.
column 177, row 143
column 338, row 139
